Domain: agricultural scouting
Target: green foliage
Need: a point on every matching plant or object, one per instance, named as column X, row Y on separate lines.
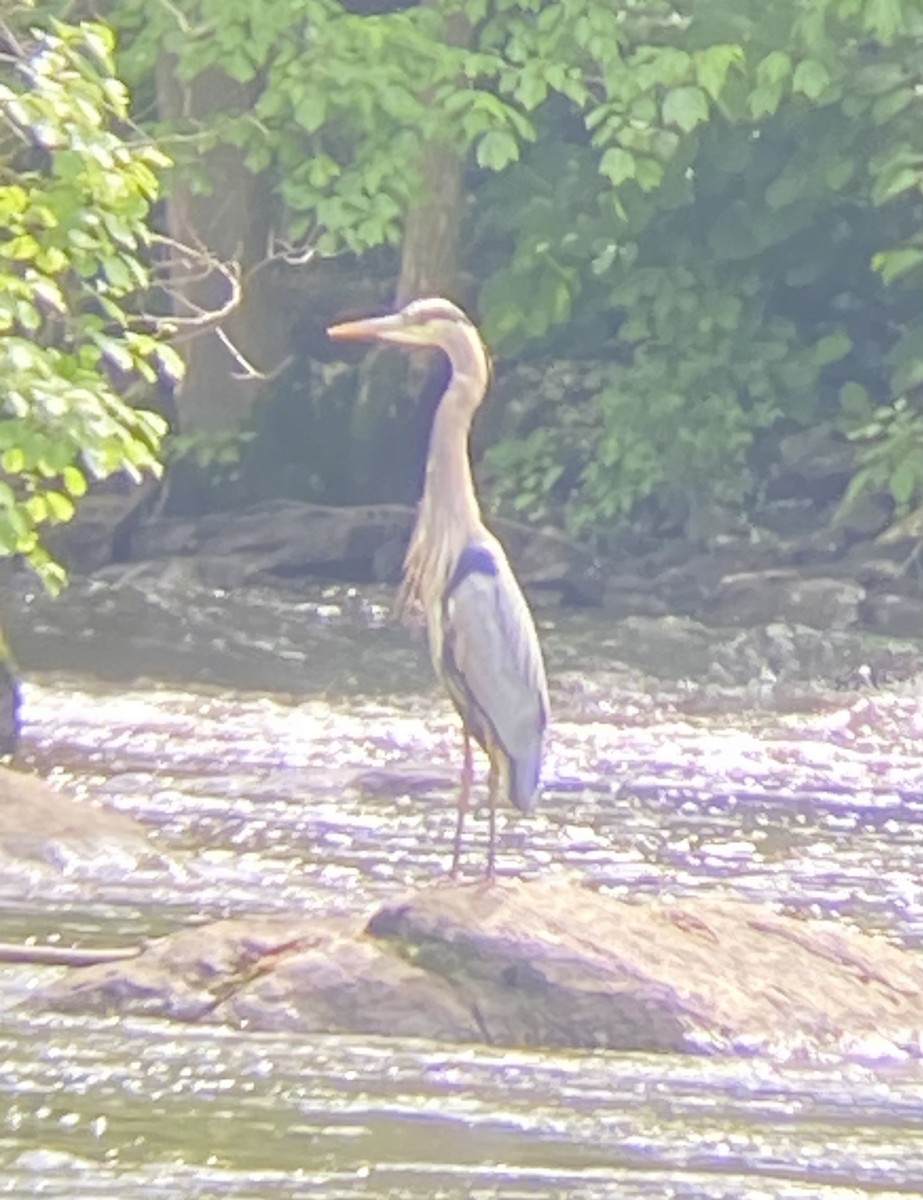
column 343, row 106
column 74, row 199
column 718, row 204
column 217, row 453
column 891, row 456
column 742, row 286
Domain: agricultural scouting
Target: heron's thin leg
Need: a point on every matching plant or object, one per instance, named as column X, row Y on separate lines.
column 493, row 782
column 464, row 794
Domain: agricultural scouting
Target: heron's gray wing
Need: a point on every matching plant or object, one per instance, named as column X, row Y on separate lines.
column 493, row 665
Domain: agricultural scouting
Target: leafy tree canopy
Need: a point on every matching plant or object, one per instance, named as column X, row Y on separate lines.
column 75, row 197
column 719, row 202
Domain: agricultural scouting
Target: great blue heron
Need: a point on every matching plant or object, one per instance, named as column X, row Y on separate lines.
column 481, row 634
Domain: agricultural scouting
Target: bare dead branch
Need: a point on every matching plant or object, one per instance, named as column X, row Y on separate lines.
column 199, row 319
column 185, row 266
column 293, row 257
column 247, row 369
column 64, row 956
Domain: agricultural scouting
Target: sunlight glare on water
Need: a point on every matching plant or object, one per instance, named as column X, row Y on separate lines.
column 326, row 805
column 136, row 1105
column 335, row 798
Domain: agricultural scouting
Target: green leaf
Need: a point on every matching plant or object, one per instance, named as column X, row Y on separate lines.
column 786, row 189
column 117, row 273
column 838, row 173
column 28, row 316
column 904, row 482
column 884, row 19
column 171, row 362
column 60, row 507
column 239, row 66
column 36, row 508
column 831, row 348
column 21, row 248
column 888, row 106
column 862, row 482
column 898, row 178
column 855, row 401
column 764, row 100
column 13, row 460
column 617, row 165
column 811, row 78
column 666, row 66
column 496, row 150
column 75, row 481
column 531, row 90
column 311, row 110
column 712, row 66
column 115, row 351
column 774, row 69
column 685, row 107
column 892, row 264
column 877, row 77
column 648, row 173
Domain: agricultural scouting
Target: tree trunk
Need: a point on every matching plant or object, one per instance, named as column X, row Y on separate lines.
column 394, row 401
column 429, row 254
column 396, row 396
column 232, row 222
column 432, row 228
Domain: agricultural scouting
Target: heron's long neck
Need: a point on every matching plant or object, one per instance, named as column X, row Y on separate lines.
column 449, row 515
column 449, row 505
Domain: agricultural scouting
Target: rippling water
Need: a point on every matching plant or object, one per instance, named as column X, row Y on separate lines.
column 123, row 1109
column 334, row 790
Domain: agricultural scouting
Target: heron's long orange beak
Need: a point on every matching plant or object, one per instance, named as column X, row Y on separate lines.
column 390, row 328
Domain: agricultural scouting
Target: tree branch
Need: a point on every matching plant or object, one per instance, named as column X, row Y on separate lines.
column 65, row 956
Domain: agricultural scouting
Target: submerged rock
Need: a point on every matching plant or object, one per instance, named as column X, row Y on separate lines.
column 535, row 964
column 40, row 824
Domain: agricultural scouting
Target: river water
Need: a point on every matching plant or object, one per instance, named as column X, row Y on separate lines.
column 292, row 754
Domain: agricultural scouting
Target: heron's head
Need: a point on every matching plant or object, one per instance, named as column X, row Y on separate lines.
column 429, row 322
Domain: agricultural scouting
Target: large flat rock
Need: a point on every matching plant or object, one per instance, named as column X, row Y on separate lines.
column 535, row 964
column 552, row 964
column 272, row 973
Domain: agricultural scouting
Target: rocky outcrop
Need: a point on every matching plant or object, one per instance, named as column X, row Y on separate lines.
column 100, row 530
column 898, row 616
column 823, row 579
column 290, row 540
column 800, row 557
column 284, row 540
column 762, row 597
column 533, row 963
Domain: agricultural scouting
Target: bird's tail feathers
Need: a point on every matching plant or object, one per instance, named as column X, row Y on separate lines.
column 524, row 782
